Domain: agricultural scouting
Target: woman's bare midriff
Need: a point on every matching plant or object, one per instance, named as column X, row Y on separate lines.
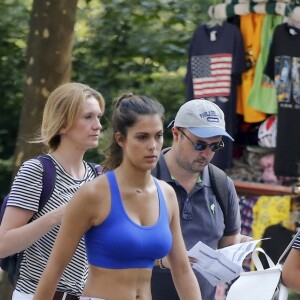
column 120, row 284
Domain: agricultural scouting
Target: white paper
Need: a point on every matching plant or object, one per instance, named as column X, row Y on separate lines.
column 222, row 265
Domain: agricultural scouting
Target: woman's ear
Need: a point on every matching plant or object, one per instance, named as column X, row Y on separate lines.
column 119, row 139
column 62, row 130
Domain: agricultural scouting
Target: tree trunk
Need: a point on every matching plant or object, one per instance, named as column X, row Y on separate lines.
column 49, row 64
column 49, row 54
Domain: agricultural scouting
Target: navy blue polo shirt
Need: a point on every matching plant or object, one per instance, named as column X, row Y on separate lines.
column 201, row 216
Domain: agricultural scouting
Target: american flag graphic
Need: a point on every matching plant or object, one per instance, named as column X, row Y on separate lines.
column 211, row 75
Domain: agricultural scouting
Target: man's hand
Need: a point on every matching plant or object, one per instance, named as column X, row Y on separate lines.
column 230, row 240
column 192, row 260
column 245, row 238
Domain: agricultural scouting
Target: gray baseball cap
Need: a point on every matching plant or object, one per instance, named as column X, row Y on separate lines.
column 202, row 118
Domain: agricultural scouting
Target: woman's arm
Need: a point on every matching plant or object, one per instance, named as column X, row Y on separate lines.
column 80, row 215
column 291, row 270
column 183, row 276
column 16, row 234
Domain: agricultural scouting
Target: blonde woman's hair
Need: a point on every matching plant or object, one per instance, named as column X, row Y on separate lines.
column 62, row 109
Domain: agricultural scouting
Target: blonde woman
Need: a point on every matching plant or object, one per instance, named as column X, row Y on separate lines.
column 70, row 126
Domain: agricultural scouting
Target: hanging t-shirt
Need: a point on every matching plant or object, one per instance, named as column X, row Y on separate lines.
column 277, row 239
column 215, row 62
column 250, row 25
column 263, row 93
column 284, row 67
column 246, row 204
column 269, row 210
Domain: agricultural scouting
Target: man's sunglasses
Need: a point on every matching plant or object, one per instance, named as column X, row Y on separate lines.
column 214, row 147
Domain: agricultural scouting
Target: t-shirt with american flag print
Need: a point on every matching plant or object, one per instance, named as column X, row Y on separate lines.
column 216, row 60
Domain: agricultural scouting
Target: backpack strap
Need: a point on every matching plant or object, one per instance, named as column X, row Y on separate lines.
column 218, row 179
column 97, row 169
column 49, row 178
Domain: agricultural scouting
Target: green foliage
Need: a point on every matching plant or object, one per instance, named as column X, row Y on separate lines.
column 13, row 32
column 129, row 41
column 120, row 45
column 138, row 46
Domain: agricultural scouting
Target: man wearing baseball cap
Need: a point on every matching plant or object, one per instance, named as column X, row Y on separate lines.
column 198, row 131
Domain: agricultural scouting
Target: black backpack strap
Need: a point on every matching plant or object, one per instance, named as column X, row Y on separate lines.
column 218, row 179
column 97, row 169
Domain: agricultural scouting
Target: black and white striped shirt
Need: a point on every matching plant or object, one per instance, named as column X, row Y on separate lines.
column 296, row 244
column 25, row 193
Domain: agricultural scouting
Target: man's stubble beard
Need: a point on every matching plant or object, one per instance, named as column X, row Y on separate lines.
column 188, row 166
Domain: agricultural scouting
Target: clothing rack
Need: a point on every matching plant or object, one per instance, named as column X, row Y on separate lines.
column 232, row 8
column 244, row 188
column 228, row 10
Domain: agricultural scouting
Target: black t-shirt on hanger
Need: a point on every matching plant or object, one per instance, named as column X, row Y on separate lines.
column 283, row 67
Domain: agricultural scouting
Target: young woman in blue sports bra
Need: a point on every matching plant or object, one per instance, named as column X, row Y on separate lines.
column 129, row 218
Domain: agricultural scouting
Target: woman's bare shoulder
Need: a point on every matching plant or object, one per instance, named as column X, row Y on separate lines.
column 93, row 199
column 168, row 190
column 96, row 188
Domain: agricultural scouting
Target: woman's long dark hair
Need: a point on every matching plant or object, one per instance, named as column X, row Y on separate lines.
column 128, row 108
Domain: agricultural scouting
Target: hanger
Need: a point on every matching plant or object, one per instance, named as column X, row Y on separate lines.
column 214, row 21
column 293, row 22
column 227, row 10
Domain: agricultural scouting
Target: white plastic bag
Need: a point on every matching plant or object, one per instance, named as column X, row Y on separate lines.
column 263, row 284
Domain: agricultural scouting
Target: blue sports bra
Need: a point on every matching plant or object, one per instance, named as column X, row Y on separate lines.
column 119, row 243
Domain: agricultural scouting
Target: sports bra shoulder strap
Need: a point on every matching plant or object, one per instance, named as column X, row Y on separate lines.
column 161, row 197
column 112, row 180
